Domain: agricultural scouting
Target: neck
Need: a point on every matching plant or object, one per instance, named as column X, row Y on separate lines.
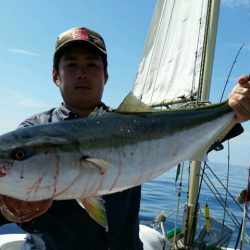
column 81, row 111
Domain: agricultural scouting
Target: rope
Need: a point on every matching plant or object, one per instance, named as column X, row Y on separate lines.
column 196, row 58
column 179, row 189
column 225, row 201
column 234, row 219
column 233, row 198
column 243, row 226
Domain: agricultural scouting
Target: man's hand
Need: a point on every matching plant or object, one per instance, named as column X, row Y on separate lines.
column 239, row 99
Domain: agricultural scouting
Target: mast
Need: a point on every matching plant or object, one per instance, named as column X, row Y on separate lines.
column 176, row 65
column 205, row 83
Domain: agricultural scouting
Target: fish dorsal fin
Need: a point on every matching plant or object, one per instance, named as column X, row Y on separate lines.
column 131, row 104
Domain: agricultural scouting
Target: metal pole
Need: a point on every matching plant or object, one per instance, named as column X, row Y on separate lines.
column 205, row 83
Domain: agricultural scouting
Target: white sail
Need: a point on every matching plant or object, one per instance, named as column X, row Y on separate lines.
column 176, row 67
column 171, row 62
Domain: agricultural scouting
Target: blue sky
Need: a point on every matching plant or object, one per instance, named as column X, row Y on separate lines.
column 29, row 29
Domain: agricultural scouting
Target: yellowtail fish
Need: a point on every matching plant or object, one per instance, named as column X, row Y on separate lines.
column 86, row 158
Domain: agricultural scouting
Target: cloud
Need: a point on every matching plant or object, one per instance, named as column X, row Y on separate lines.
column 235, row 3
column 26, row 101
column 17, row 107
column 20, row 100
column 24, row 52
column 245, row 48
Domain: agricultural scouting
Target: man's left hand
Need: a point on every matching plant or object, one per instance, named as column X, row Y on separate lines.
column 239, row 99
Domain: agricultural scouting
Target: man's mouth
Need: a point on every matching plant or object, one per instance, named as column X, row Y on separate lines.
column 82, row 87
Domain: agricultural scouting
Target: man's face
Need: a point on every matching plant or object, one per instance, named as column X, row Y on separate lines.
column 81, row 77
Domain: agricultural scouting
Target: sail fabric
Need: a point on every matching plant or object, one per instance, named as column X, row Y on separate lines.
column 171, row 61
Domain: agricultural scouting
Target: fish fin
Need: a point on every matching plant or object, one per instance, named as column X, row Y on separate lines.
column 96, row 209
column 131, row 104
column 103, row 165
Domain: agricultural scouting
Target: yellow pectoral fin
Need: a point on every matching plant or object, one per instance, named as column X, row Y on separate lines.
column 99, row 163
column 96, row 209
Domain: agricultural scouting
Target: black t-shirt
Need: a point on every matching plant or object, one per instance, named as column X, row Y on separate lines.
column 68, row 226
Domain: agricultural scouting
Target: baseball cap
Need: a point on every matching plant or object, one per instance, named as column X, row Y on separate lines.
column 79, row 34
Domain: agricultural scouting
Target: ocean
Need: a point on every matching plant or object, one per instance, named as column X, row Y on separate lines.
column 161, row 196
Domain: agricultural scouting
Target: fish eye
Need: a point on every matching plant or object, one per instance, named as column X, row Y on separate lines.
column 20, row 154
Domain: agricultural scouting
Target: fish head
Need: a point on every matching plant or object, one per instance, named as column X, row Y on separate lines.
column 16, row 152
column 30, row 164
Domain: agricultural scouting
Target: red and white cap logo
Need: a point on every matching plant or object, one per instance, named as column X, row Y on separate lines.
column 80, row 34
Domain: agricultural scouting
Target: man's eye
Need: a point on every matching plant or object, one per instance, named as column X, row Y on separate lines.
column 92, row 64
column 71, row 65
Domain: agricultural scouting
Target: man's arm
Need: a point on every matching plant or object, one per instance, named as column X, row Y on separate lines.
column 239, row 99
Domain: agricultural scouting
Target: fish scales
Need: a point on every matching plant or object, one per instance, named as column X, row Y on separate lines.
column 129, row 149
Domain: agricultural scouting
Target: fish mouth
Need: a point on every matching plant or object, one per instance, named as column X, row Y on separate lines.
column 4, row 168
column 19, row 211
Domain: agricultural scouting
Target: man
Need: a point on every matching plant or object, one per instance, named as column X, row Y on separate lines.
column 80, row 72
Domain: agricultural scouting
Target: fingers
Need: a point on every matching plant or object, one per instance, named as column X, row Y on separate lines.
column 239, row 99
column 244, row 80
column 241, row 108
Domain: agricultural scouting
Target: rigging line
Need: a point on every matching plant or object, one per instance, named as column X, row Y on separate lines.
column 230, row 71
column 233, row 218
column 178, row 202
column 196, row 207
column 243, row 229
column 245, row 214
column 220, row 199
column 196, row 55
column 188, row 210
column 228, row 167
column 233, row 198
column 199, row 91
column 238, row 237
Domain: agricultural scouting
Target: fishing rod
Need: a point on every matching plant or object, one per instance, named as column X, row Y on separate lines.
column 230, row 71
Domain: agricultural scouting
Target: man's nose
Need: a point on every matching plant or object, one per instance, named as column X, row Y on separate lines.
column 82, row 73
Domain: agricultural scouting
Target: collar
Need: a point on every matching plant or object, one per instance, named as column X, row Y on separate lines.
column 64, row 113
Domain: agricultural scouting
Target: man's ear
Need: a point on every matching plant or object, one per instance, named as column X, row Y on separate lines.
column 106, row 77
column 55, row 76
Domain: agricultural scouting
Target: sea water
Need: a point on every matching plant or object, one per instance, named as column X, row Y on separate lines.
column 161, row 196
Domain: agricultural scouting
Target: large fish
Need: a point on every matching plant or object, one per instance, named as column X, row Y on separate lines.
column 85, row 158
